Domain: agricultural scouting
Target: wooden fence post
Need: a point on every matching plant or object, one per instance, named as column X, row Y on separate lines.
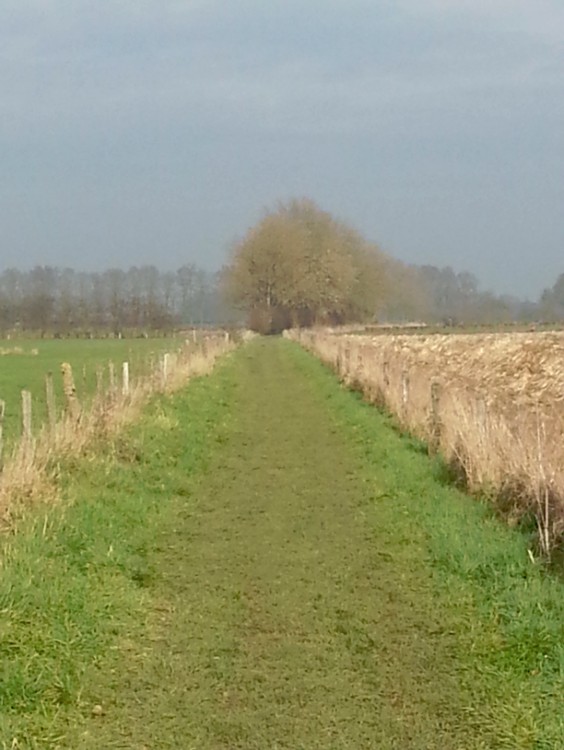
column 26, row 418
column 339, row 360
column 347, row 360
column 112, row 379
column 69, row 389
column 435, row 438
column 404, row 393
column 360, row 366
column 386, row 373
column 2, row 413
column 125, row 378
column 165, row 368
column 50, row 398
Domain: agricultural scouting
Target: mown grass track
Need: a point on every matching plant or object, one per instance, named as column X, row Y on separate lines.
column 301, row 580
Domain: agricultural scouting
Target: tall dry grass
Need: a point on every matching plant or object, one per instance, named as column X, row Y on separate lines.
column 492, row 404
column 29, row 472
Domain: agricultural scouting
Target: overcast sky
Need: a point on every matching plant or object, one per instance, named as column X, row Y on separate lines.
column 156, row 131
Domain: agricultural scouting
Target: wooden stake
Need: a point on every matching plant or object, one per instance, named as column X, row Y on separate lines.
column 26, row 417
column 360, row 364
column 386, row 373
column 404, row 393
column 347, row 359
column 50, row 397
column 112, row 378
column 165, row 368
column 69, row 389
column 2, row 413
column 99, row 380
column 435, row 440
column 125, row 378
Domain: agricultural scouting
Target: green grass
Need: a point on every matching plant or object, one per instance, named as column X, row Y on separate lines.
column 75, row 579
column 27, row 371
column 262, row 562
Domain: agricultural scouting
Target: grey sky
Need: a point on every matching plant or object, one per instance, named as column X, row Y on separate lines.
column 137, row 131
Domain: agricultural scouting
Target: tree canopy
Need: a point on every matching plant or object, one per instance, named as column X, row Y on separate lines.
column 300, row 266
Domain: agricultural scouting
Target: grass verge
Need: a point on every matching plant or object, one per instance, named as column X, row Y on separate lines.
column 507, row 614
column 74, row 578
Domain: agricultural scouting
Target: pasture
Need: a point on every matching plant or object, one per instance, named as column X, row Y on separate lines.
column 24, row 364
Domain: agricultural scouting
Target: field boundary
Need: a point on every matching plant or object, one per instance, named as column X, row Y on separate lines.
column 510, row 452
column 30, row 467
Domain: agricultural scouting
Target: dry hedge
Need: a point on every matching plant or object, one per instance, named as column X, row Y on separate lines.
column 491, row 403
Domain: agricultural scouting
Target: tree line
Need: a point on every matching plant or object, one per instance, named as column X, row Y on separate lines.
column 60, row 301
column 298, row 266
column 552, row 300
column 301, row 266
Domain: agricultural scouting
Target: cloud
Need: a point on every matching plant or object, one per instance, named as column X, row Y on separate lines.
column 322, row 66
column 543, row 18
column 407, row 102
column 58, row 56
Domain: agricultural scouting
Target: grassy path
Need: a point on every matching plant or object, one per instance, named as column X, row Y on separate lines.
column 292, row 629
column 313, row 585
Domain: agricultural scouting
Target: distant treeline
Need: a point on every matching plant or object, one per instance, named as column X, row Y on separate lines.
column 61, row 301
column 298, row 266
column 301, row 266
column 440, row 295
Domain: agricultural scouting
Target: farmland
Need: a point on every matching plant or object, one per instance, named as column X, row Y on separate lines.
column 24, row 364
column 263, row 561
column 31, row 453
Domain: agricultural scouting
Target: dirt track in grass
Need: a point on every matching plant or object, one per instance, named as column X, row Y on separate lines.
column 288, row 617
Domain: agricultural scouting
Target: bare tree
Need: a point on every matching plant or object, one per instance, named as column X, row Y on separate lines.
column 300, row 266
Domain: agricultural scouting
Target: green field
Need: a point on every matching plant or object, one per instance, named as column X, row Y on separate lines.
column 24, row 364
column 263, row 562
